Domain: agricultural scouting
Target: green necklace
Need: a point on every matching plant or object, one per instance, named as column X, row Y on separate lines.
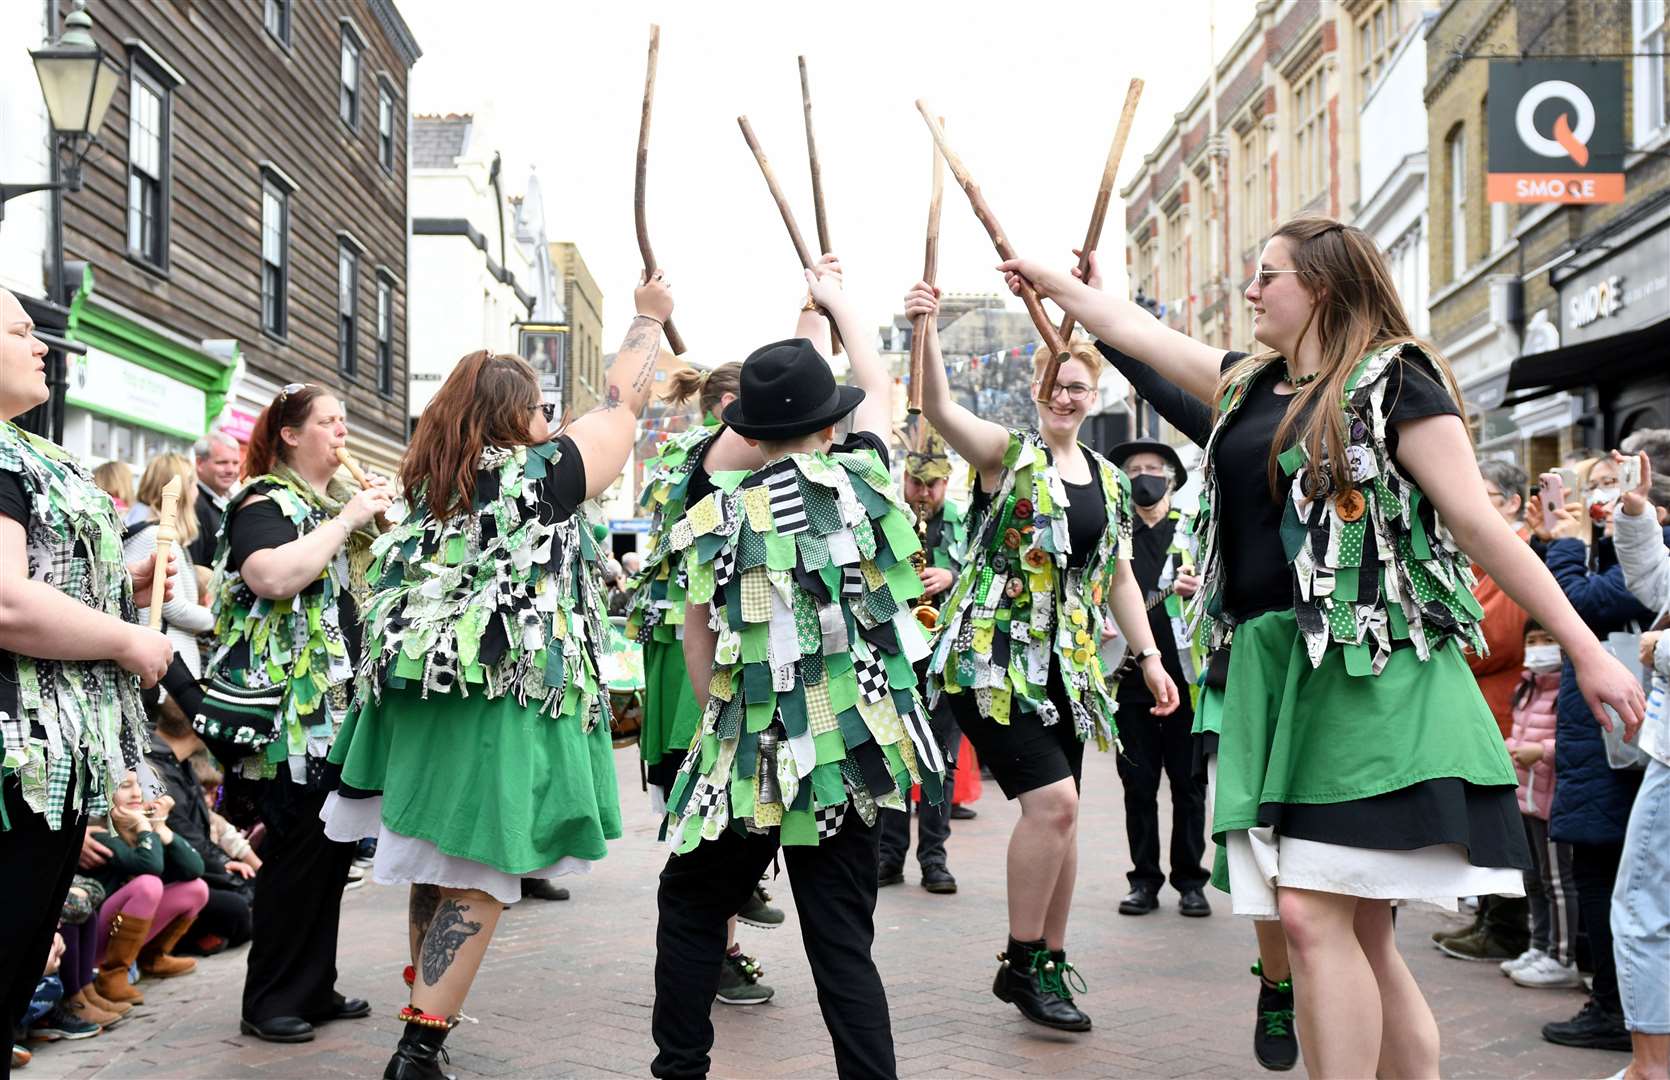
column 1297, row 381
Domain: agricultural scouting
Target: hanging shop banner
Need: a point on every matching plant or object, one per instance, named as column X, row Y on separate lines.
column 1556, row 131
column 545, row 346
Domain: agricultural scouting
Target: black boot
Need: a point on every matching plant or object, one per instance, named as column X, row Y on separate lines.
column 419, row 1055
column 1274, row 1044
column 1032, row 980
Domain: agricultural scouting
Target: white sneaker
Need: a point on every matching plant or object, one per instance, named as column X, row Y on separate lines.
column 1547, row 973
column 1524, row 959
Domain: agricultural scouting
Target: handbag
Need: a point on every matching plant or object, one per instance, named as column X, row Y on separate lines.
column 245, row 717
column 1626, row 647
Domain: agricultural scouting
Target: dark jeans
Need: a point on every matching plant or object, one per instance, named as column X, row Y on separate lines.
column 36, row 864
column 1152, row 745
column 298, row 905
column 835, row 896
column 227, row 915
column 1595, row 869
column 933, row 822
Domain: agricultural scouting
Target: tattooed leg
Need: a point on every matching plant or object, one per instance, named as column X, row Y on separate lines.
column 459, row 928
column 420, row 913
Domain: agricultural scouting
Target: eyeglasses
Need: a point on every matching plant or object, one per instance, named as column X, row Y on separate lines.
column 1076, row 391
column 549, row 408
column 1264, row 277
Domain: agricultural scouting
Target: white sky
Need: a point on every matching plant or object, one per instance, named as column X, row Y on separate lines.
column 1030, row 92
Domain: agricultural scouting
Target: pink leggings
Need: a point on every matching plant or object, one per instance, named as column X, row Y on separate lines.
column 146, row 897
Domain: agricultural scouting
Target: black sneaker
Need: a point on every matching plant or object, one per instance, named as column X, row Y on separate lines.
column 61, row 1024
column 1593, row 1028
column 1274, row 1044
column 757, row 911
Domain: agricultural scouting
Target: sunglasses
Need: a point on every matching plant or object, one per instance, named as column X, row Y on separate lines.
column 1264, row 277
column 288, row 389
column 549, row 408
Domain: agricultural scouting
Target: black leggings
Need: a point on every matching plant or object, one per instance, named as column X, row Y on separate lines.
column 1594, row 869
column 36, row 864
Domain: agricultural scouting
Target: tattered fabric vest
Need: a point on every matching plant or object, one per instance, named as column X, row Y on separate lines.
column 500, row 600
column 812, row 710
column 952, row 550
column 1180, row 559
column 297, row 642
column 1371, row 565
column 1017, row 605
column 77, row 722
column 658, row 589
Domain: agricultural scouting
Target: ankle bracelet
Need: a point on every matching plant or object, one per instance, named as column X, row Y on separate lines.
column 412, row 1015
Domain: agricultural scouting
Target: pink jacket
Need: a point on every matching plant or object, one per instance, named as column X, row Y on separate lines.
column 1533, row 725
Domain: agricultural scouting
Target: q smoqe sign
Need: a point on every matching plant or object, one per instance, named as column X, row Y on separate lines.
column 1556, row 131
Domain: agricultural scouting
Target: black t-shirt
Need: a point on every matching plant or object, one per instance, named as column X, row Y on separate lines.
column 1087, row 512
column 1257, row 577
column 701, row 481
column 14, row 499
column 1149, row 547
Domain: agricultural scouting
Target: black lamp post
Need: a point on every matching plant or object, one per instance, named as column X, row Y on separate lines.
column 78, row 80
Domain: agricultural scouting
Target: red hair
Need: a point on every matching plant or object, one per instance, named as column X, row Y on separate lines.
column 289, row 409
column 488, row 400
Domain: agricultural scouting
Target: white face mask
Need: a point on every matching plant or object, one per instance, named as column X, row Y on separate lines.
column 1542, row 659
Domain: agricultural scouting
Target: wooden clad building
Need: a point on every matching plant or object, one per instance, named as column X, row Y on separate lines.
column 245, row 224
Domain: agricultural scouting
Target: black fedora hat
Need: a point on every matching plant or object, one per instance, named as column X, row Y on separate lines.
column 787, row 391
column 1150, row 446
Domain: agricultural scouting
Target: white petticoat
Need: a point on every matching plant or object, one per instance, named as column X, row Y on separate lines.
column 405, row 860
column 1259, row 861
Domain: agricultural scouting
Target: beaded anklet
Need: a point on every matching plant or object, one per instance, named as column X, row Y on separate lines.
column 412, row 1015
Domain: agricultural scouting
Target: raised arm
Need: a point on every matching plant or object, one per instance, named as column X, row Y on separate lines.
column 979, row 442
column 1428, row 449
column 875, row 413
column 813, row 324
column 605, row 436
column 1190, row 364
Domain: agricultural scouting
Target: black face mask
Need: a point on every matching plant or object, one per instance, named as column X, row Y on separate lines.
column 1148, row 490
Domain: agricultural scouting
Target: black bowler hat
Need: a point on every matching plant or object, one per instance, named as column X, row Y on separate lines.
column 1150, row 446
column 787, row 391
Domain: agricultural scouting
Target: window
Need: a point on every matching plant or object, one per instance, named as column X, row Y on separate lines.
column 347, row 306
column 148, row 154
column 1310, row 139
column 1255, row 186
column 1498, row 225
column 1458, row 203
column 1176, row 276
column 385, row 128
column 1651, row 20
column 277, row 19
column 385, row 334
column 275, row 255
column 1378, row 34
column 350, row 104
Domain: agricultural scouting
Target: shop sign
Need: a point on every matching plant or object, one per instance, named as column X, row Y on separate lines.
column 102, row 382
column 238, row 423
column 1556, row 131
column 1627, row 291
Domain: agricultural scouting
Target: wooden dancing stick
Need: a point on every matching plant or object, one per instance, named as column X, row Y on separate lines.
column 930, row 270
column 673, row 340
column 807, row 259
column 817, row 189
column 1029, row 295
column 353, row 468
column 168, row 530
column 1099, row 210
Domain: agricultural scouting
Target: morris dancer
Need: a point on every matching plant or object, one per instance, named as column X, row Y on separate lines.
column 1348, row 596
column 478, row 752
column 1049, row 554
column 811, row 720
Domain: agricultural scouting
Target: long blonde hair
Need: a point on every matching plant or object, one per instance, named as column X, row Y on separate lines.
column 1357, row 311
column 163, row 468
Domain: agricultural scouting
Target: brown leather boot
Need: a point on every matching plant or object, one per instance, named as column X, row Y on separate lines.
column 79, row 1007
column 127, row 934
column 119, row 1008
column 154, row 958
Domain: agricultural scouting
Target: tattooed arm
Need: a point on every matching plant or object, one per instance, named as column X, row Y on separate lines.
column 606, row 435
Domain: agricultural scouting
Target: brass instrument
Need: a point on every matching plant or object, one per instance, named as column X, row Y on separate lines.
column 926, row 610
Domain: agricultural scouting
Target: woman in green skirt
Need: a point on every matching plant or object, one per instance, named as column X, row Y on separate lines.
column 478, row 749
column 1358, row 764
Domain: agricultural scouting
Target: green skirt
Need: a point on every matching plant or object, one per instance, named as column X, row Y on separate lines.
column 671, row 714
column 486, row 780
column 1291, row 733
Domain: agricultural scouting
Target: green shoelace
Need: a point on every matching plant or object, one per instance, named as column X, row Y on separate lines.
column 1058, row 977
column 1277, row 1022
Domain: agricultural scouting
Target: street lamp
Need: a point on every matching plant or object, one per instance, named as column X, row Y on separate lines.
column 78, row 80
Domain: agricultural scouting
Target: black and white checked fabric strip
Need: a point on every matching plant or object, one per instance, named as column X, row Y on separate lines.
column 872, row 678
column 829, row 819
column 852, row 582
column 724, row 565
column 788, row 512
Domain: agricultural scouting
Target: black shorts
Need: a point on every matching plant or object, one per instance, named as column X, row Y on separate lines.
column 1024, row 754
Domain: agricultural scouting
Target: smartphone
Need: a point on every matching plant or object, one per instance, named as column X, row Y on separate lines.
column 1629, row 472
column 1553, row 490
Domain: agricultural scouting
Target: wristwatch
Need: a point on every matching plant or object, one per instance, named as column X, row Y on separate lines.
column 1146, row 653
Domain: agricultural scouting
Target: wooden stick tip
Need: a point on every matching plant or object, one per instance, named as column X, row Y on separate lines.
column 172, row 488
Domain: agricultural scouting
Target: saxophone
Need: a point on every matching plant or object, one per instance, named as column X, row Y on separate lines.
column 926, row 610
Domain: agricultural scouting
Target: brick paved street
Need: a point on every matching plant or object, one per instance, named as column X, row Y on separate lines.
column 565, row 990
